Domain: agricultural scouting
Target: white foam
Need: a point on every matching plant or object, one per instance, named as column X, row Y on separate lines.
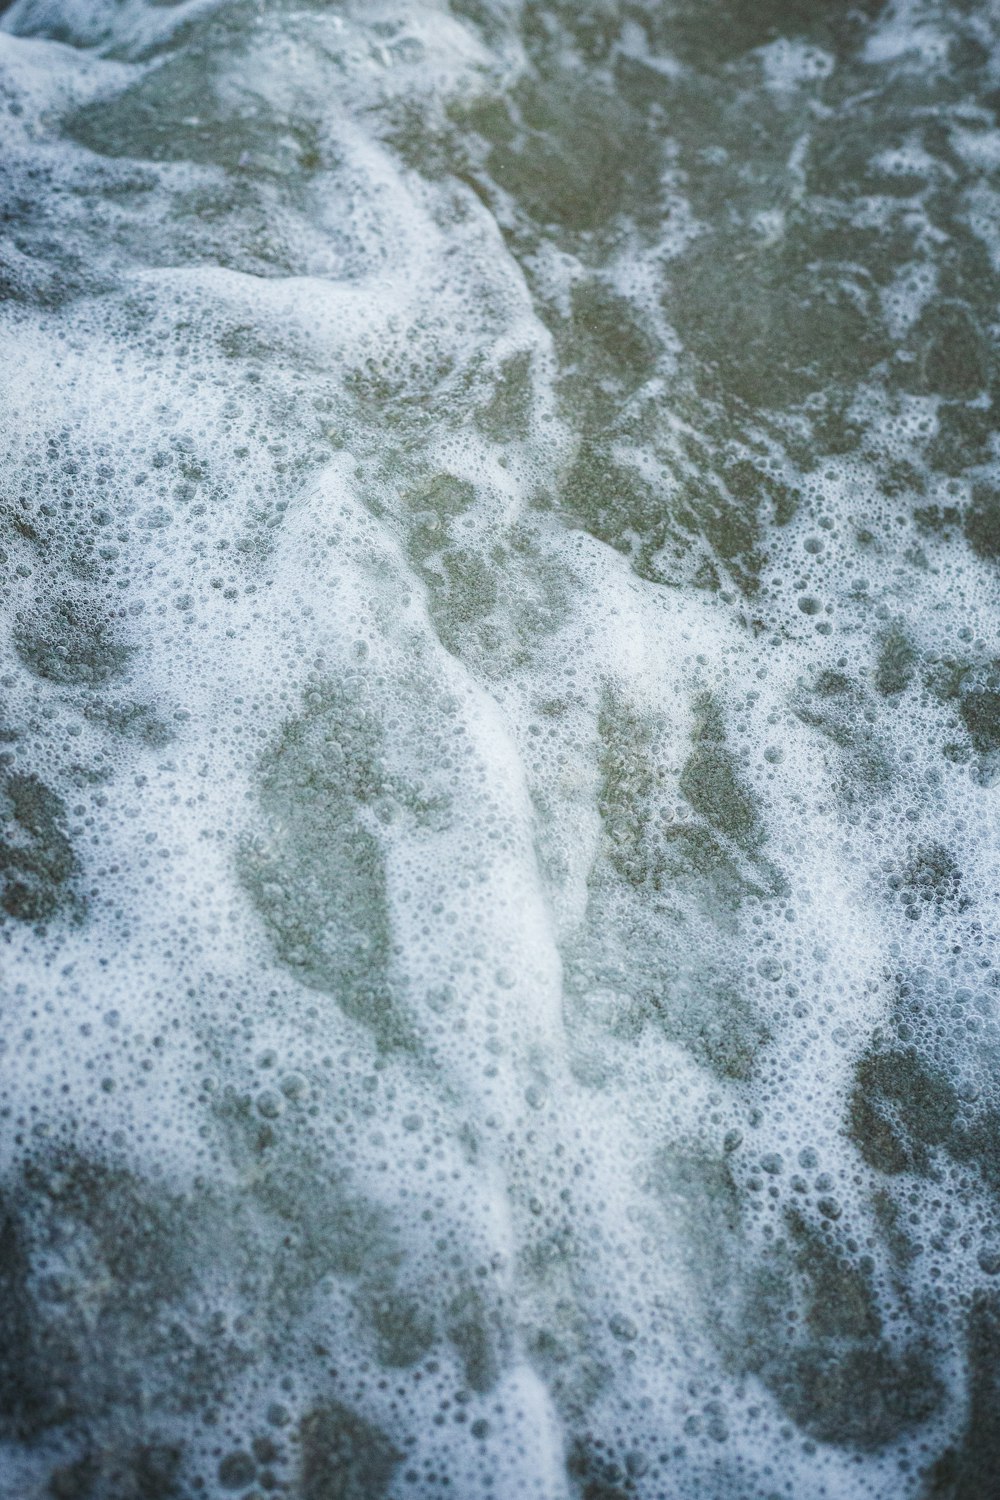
column 474, row 931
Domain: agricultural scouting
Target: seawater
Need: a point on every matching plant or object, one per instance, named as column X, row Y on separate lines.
column 499, row 749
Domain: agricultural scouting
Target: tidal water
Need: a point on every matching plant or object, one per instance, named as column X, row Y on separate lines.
column 499, row 749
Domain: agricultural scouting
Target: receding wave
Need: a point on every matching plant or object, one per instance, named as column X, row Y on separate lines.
column 499, row 750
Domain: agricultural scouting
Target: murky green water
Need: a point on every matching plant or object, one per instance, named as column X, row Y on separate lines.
column 499, row 750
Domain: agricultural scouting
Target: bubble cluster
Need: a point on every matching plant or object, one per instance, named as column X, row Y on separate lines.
column 499, row 739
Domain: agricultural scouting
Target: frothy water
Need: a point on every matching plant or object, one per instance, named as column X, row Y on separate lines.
column 500, row 750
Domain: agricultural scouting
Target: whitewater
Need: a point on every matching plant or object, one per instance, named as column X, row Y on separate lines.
column 499, row 749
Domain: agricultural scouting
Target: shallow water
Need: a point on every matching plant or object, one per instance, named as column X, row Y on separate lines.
column 500, row 718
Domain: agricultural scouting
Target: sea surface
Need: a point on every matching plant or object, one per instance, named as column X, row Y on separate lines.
column 500, row 750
